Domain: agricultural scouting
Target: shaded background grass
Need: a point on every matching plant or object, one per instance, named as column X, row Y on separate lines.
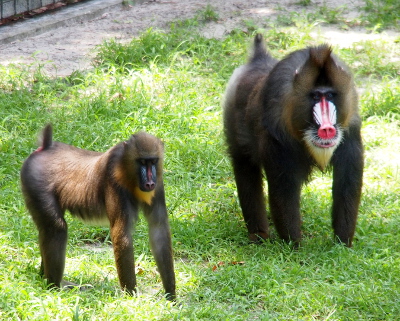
column 171, row 84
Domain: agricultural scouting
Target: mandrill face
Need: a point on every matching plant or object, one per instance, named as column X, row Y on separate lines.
column 324, row 135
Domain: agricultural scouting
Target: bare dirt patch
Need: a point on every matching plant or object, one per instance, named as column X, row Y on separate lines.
column 70, row 48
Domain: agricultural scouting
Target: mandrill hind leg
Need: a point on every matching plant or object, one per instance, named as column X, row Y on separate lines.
column 52, row 237
column 251, row 197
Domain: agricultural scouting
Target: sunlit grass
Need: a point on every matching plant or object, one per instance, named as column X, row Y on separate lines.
column 381, row 14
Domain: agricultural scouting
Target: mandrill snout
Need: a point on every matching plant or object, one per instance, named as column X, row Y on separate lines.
column 149, row 186
column 327, row 131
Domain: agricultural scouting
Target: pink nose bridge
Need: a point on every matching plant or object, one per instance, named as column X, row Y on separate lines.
column 325, row 116
column 150, row 181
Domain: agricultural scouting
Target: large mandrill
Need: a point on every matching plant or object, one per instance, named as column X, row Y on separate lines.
column 286, row 117
column 99, row 188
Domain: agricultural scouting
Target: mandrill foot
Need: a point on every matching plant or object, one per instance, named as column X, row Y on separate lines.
column 258, row 237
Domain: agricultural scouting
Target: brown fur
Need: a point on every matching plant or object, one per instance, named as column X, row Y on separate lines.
column 102, row 188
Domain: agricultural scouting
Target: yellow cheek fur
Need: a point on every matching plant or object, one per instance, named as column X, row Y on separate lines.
column 145, row 197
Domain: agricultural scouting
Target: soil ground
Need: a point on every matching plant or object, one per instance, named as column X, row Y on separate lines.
column 65, row 49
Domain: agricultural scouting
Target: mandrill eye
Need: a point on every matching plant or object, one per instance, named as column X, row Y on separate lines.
column 329, row 96
column 316, row 96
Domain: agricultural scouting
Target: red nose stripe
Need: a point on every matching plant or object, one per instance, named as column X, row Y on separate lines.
column 326, row 130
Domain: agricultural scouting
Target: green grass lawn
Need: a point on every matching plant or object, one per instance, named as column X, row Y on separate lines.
column 171, row 85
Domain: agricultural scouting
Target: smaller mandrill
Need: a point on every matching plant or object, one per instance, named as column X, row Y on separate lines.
column 99, row 188
column 285, row 118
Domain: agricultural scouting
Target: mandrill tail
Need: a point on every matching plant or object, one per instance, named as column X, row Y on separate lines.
column 259, row 51
column 259, row 54
column 46, row 139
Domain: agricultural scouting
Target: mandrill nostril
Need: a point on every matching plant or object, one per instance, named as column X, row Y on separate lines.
column 150, row 186
column 327, row 132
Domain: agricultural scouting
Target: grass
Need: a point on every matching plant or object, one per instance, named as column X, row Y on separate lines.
column 381, row 14
column 376, row 15
column 322, row 14
column 173, row 88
